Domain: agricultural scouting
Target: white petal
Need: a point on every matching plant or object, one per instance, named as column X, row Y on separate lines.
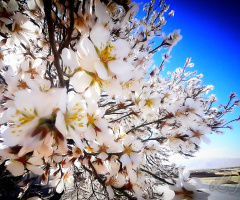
column 120, row 67
column 35, row 169
column 16, row 136
column 112, row 87
column 100, row 168
column 193, row 184
column 54, row 181
column 93, row 94
column 120, row 181
column 128, row 140
column 60, row 123
column 99, row 35
column 101, row 12
column 45, row 150
column 110, row 192
column 36, row 160
column 60, row 186
column 132, row 174
column 138, row 191
column 6, row 20
column 57, row 158
column 186, row 174
column 125, row 160
column 205, row 139
column 15, row 168
column 137, row 145
column 69, row 58
column 77, row 139
column 115, row 166
column 122, row 48
column 12, row 6
column 81, row 81
column 101, row 70
column 196, row 140
column 136, row 158
column 168, row 194
column 48, row 101
column 125, row 77
column 39, row 3
column 31, row 4
column 4, row 116
column 29, row 144
column 63, row 98
column 103, row 156
column 24, row 100
column 90, row 134
column 86, row 47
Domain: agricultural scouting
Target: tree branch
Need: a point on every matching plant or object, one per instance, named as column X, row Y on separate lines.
column 47, row 10
column 148, row 123
column 70, row 29
column 156, row 177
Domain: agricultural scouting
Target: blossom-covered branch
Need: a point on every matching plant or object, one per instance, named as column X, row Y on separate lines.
column 83, row 106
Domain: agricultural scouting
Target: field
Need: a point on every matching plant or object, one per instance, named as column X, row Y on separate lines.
column 219, row 184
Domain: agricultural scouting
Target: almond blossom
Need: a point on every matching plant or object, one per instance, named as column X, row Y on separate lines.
column 16, row 166
column 71, row 119
column 83, row 107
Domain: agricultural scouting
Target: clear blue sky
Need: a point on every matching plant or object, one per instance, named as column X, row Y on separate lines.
column 210, row 30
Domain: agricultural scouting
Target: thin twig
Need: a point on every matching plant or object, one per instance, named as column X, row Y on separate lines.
column 70, row 29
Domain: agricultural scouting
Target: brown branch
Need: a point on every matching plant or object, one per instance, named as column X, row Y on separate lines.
column 148, row 123
column 156, row 138
column 122, row 117
column 152, row 51
column 124, row 193
column 28, row 51
column 47, row 10
column 110, row 110
column 156, row 177
column 70, row 29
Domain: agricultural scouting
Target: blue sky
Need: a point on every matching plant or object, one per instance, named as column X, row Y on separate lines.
column 210, row 30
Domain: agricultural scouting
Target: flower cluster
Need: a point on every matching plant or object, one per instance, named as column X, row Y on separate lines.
column 83, row 106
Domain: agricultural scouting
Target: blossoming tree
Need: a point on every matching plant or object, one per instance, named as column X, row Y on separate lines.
column 83, row 107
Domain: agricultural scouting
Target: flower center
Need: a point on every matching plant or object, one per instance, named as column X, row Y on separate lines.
column 91, row 120
column 105, row 53
column 73, row 118
column 149, row 103
column 26, row 116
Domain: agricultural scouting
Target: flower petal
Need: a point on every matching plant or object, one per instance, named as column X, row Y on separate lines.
column 125, row 160
column 60, row 186
column 119, row 67
column 60, row 123
column 31, row 4
column 15, row 168
column 35, row 169
column 80, row 81
column 99, row 35
column 12, row 6
column 69, row 58
column 110, row 192
column 101, row 70
column 121, row 44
